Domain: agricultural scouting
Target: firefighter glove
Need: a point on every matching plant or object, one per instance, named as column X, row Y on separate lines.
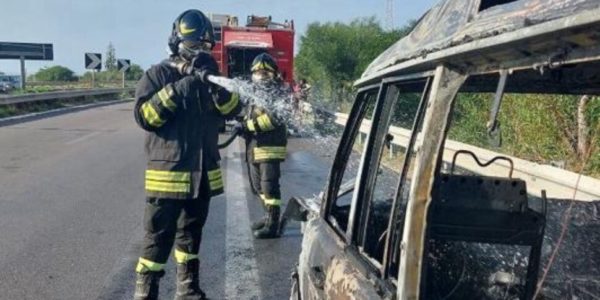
column 204, row 65
column 201, row 65
column 184, row 86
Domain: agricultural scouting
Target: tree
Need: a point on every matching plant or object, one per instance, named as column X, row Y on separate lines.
column 55, row 73
column 110, row 62
column 335, row 54
column 135, row 72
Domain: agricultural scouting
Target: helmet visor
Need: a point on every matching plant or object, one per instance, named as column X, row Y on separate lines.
column 194, row 46
column 262, row 75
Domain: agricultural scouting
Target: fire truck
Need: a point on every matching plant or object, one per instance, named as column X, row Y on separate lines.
column 236, row 46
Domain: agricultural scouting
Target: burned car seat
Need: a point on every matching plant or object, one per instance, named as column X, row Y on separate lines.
column 489, row 210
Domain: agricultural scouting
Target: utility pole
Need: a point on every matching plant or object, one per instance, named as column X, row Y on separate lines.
column 389, row 14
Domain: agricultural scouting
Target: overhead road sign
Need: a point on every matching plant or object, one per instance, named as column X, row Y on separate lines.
column 93, row 61
column 27, row 51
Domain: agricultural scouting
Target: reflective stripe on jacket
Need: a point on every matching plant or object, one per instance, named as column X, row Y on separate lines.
column 212, row 156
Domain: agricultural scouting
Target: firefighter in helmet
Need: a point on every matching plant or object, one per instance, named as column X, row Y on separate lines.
column 179, row 110
column 266, row 140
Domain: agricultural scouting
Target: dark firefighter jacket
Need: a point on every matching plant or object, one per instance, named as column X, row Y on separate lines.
column 267, row 133
column 181, row 133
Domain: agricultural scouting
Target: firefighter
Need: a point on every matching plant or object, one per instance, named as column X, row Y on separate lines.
column 266, row 140
column 180, row 110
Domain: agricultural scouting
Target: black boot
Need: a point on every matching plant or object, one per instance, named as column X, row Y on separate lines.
column 271, row 228
column 259, row 224
column 188, row 278
column 146, row 285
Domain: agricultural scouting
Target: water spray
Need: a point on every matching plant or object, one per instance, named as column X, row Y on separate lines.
column 224, row 82
column 279, row 103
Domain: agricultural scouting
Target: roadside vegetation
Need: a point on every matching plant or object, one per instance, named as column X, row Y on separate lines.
column 333, row 55
column 560, row 130
column 563, row 131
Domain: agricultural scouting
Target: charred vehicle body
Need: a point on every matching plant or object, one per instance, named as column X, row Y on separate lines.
column 450, row 220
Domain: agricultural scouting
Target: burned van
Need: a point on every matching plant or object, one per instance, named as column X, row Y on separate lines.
column 468, row 166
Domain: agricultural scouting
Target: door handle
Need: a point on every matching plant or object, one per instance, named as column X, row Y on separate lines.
column 317, row 277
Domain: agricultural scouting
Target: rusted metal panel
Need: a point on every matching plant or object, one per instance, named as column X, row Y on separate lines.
column 531, row 28
column 319, row 246
column 344, row 282
column 455, row 22
column 444, row 88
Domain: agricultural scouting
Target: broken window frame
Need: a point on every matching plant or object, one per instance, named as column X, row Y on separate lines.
column 380, row 129
column 357, row 114
column 396, row 221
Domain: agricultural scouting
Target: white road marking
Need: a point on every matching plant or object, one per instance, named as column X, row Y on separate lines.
column 83, row 138
column 241, row 272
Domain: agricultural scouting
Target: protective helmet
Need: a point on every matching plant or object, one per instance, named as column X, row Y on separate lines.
column 192, row 33
column 264, row 68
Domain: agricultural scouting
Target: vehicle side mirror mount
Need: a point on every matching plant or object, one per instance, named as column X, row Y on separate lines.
column 295, row 210
column 493, row 125
column 495, row 135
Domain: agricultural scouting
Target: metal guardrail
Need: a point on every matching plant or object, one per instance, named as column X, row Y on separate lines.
column 558, row 183
column 6, row 100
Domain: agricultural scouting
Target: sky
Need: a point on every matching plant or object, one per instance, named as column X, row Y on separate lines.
column 139, row 29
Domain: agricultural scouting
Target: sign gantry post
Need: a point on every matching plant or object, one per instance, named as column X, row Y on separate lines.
column 26, row 51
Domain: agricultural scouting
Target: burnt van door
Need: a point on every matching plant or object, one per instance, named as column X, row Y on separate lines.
column 327, row 269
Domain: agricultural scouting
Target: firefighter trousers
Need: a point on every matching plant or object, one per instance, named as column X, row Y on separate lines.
column 264, row 177
column 173, row 221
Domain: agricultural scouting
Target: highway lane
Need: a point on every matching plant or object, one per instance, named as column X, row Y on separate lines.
column 71, row 203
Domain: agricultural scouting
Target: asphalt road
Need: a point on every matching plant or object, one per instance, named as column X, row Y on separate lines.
column 71, row 207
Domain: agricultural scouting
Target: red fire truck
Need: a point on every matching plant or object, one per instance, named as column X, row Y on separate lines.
column 237, row 46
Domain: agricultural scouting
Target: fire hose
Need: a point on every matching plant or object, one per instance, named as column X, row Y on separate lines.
column 235, row 133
